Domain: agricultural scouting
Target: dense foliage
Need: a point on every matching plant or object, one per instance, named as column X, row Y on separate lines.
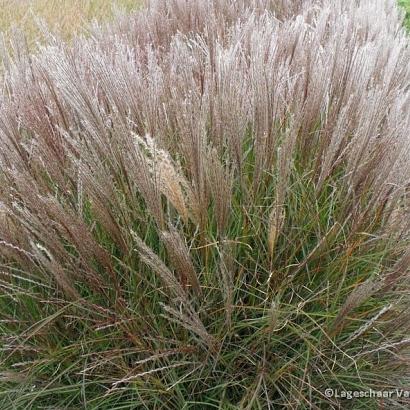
column 206, row 205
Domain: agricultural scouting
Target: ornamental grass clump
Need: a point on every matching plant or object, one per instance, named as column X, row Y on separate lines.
column 206, row 205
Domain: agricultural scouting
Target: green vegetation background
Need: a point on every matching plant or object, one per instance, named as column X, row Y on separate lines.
column 406, row 5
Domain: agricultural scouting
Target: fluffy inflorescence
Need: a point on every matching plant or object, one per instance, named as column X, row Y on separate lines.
column 206, row 204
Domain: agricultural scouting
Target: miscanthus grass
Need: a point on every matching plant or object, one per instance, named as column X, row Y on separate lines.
column 206, row 205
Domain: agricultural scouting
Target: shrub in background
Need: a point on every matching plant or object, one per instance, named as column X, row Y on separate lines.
column 405, row 4
column 206, row 205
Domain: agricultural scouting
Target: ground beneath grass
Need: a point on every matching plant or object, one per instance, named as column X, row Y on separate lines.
column 67, row 17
